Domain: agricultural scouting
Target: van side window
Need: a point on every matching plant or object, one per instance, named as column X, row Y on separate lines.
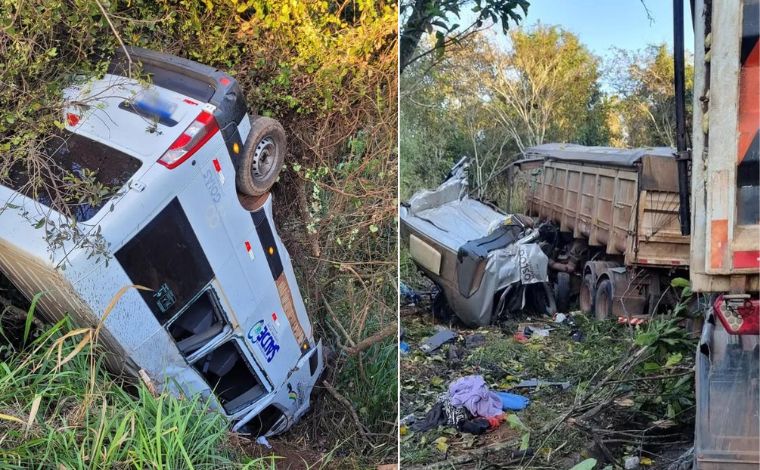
column 75, row 157
column 198, row 324
column 166, row 257
column 228, row 373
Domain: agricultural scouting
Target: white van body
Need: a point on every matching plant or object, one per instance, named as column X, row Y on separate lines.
column 223, row 317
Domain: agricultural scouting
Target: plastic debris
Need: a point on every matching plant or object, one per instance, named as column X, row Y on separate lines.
column 434, row 342
column 631, row 463
column 408, row 419
column 262, row 440
column 403, row 346
column 535, row 383
column 409, row 295
column 512, row 401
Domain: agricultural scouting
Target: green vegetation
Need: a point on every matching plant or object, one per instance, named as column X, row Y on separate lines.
column 59, row 408
column 327, row 71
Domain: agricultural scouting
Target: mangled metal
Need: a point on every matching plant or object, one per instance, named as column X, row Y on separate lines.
column 472, row 250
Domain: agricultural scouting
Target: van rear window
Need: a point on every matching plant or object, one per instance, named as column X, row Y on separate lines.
column 79, row 175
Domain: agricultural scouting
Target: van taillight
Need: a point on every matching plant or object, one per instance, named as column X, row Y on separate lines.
column 196, row 134
column 739, row 315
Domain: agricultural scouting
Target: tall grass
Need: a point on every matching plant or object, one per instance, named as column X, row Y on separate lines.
column 74, row 415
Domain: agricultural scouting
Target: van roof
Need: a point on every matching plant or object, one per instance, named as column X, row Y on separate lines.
column 138, row 118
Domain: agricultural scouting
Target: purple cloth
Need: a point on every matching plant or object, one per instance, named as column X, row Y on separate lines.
column 472, row 392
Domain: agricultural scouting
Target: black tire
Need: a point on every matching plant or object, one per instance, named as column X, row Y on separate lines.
column 603, row 300
column 562, row 292
column 587, row 294
column 441, row 309
column 541, row 298
column 262, row 157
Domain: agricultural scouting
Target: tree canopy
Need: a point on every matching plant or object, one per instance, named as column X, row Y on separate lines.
column 490, row 102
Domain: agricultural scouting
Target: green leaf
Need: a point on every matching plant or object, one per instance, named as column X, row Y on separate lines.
column 650, row 367
column 680, row 282
column 524, row 441
column 646, row 339
column 30, row 316
column 673, row 359
column 373, row 228
column 587, row 464
column 515, row 423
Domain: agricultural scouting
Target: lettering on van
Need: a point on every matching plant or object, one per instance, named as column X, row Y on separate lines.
column 212, row 185
column 260, row 334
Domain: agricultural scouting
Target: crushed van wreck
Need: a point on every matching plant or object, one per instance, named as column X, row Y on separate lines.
column 485, row 262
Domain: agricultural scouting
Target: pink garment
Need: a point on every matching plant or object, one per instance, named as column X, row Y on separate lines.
column 472, row 392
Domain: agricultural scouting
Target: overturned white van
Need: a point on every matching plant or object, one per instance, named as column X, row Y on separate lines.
column 186, row 214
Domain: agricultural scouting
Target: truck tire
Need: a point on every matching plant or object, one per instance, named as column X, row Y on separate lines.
column 587, row 294
column 562, row 292
column 603, row 300
column 262, row 157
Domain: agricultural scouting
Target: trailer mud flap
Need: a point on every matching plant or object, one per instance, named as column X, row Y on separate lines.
column 727, row 401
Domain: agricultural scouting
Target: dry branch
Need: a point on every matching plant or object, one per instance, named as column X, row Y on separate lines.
column 366, row 343
column 344, row 401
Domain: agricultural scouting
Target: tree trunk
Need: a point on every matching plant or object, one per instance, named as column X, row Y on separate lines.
column 412, row 32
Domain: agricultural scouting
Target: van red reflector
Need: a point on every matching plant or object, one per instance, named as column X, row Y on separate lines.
column 739, row 316
column 195, row 136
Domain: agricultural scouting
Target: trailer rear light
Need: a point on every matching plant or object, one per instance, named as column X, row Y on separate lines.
column 196, row 134
column 739, row 315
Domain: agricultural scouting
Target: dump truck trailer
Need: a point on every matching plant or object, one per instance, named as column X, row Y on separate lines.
column 718, row 189
column 617, row 210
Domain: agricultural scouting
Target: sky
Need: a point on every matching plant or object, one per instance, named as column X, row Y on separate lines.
column 601, row 24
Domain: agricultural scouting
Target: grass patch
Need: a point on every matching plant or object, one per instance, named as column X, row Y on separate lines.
column 75, row 415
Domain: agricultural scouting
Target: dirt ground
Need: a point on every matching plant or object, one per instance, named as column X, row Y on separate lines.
column 579, row 354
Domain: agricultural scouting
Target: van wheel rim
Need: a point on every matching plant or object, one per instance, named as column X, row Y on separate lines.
column 263, row 158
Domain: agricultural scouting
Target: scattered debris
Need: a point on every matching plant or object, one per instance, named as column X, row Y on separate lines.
column 262, row 440
column 631, row 463
column 613, row 375
column 512, row 401
column 474, row 341
column 535, row 383
column 403, row 346
column 409, row 295
column 437, row 340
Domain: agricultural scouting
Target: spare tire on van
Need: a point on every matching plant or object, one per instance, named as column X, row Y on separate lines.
column 262, row 158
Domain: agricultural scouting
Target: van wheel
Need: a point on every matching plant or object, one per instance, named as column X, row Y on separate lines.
column 262, row 157
column 603, row 301
column 587, row 294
